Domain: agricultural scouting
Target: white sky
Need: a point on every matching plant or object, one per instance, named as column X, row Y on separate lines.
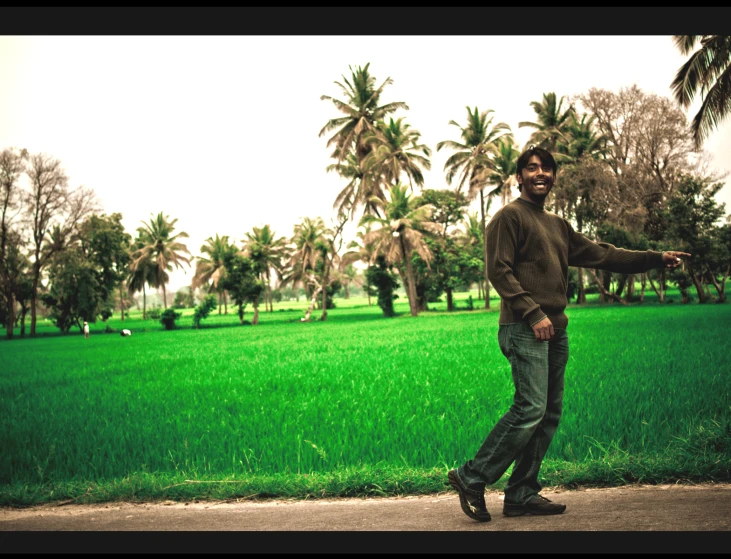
column 221, row 132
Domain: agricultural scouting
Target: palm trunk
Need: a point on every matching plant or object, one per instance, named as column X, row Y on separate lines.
column 255, row 319
column 450, row 299
column 164, row 296
column 411, row 288
column 225, row 302
column 484, row 250
column 121, row 299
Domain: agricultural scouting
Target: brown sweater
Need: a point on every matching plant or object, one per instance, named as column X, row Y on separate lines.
column 529, row 251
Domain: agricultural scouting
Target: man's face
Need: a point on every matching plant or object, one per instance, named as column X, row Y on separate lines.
column 536, row 179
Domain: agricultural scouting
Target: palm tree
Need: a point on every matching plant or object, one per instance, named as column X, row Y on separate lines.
column 162, row 247
column 211, row 270
column 395, row 150
column 268, row 253
column 400, row 234
column 581, row 138
column 141, row 273
column 359, row 189
column 550, row 122
column 308, row 234
column 504, row 169
column 361, row 109
column 361, row 251
column 708, row 70
column 471, row 236
column 472, row 159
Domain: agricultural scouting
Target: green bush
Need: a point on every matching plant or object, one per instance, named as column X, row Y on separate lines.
column 168, row 318
column 204, row 309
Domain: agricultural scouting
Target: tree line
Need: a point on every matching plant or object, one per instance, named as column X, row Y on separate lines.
column 631, row 172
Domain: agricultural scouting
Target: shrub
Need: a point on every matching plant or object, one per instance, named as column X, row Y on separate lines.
column 203, row 310
column 168, row 318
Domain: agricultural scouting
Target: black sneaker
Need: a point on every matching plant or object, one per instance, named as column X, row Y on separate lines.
column 473, row 504
column 536, row 505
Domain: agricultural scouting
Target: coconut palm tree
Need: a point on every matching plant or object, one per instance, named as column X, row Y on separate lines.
column 362, row 110
column 708, row 72
column 400, row 233
column 395, row 151
column 308, row 235
column 162, row 247
column 268, row 253
column 581, row 138
column 550, row 121
column 211, row 270
column 141, row 273
column 360, row 251
column 472, row 160
column 503, row 168
column 359, row 189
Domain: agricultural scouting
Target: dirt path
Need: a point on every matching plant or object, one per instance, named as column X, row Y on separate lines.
column 657, row 509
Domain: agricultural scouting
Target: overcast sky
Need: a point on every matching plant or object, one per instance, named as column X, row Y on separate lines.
column 221, row 132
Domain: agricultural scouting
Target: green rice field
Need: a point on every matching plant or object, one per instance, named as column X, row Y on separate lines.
column 356, row 405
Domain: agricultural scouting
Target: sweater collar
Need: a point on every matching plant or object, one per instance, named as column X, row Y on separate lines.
column 530, row 204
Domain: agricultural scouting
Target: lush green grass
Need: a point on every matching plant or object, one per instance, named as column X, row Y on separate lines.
column 355, row 405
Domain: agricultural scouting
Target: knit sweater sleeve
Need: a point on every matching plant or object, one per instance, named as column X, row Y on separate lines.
column 586, row 253
column 502, row 243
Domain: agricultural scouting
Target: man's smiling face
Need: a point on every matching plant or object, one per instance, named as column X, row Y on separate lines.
column 536, row 180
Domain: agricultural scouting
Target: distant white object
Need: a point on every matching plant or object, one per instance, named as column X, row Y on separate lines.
column 86, row 329
column 125, row 332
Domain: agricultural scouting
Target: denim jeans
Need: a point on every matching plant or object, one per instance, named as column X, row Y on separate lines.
column 524, row 433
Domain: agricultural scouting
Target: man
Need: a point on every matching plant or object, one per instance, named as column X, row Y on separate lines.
column 529, row 251
column 86, row 329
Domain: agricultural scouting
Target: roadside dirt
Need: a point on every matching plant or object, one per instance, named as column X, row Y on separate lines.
column 636, row 508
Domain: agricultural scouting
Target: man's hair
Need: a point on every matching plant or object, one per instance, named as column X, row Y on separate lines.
column 543, row 154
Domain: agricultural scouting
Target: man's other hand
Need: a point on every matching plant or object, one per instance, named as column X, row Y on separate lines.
column 543, row 330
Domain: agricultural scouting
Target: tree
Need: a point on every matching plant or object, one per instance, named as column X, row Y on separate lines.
column 471, row 238
column 360, row 251
column 692, row 215
column 242, row 282
column 162, row 248
column 11, row 169
column 551, row 122
column 400, row 234
column 106, row 245
column 472, row 160
column 50, row 201
column 203, row 310
column 307, row 234
column 386, row 282
column 443, row 275
column 141, row 271
column 75, row 294
column 212, row 270
column 395, row 150
column 708, row 72
column 362, row 110
column 268, row 253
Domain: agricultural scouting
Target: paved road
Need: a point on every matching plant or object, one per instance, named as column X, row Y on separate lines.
column 672, row 518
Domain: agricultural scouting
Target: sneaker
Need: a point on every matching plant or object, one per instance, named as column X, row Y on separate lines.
column 473, row 504
column 536, row 505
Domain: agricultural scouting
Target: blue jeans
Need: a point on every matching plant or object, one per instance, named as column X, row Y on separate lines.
column 524, row 433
